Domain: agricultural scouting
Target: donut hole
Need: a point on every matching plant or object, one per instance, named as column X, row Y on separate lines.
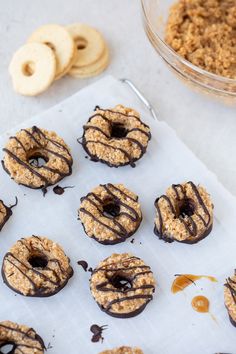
column 121, row 281
column 118, row 130
column 38, row 260
column 81, row 43
column 28, row 68
column 37, row 159
column 50, row 45
column 111, row 208
column 186, row 207
column 7, row 347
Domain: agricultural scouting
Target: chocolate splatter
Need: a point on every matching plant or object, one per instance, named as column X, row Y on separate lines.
column 60, row 190
column 97, row 332
column 132, row 241
column 83, row 264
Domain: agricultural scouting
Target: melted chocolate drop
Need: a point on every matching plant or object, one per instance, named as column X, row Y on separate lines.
column 83, row 264
column 97, row 332
column 60, row 190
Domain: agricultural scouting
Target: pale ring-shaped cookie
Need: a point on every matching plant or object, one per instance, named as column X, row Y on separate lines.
column 32, row 69
column 91, row 70
column 89, row 43
column 59, row 40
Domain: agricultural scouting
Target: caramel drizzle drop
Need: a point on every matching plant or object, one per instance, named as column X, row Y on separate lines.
column 192, row 228
column 120, row 231
column 132, row 140
column 112, row 271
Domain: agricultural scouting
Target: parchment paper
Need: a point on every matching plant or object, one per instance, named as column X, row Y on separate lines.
column 168, row 325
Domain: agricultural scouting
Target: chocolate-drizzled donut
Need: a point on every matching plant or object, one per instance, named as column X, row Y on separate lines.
column 122, row 285
column 5, row 212
column 20, row 338
column 116, row 137
column 230, row 297
column 37, row 158
column 184, row 214
column 110, row 213
column 36, row 266
column 123, row 350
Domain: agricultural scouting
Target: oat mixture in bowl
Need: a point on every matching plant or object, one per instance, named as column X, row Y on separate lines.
column 204, row 33
column 196, row 38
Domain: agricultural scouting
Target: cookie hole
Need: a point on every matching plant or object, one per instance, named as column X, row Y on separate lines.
column 38, row 161
column 7, row 348
column 38, row 261
column 118, row 131
column 29, row 68
column 50, row 45
column 81, row 43
column 121, row 282
column 186, row 207
column 111, row 209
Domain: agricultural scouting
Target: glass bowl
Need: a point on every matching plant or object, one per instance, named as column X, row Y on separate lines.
column 155, row 14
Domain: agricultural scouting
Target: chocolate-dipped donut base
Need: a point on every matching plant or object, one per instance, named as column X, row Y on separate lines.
column 187, row 241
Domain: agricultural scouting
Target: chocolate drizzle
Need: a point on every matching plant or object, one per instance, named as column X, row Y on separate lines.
column 30, row 335
column 117, row 131
column 35, row 134
column 231, row 285
column 186, row 214
column 118, row 229
column 8, row 212
column 51, row 288
column 122, row 281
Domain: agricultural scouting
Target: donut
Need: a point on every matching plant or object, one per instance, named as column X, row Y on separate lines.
column 37, row 158
column 5, row 212
column 123, row 350
column 36, row 266
column 110, row 213
column 116, row 137
column 32, row 69
column 18, row 338
column 230, row 298
column 122, row 285
column 184, row 214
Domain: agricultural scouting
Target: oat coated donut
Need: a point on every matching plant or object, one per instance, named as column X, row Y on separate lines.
column 110, row 213
column 122, row 285
column 123, row 350
column 26, row 150
column 20, row 338
column 116, row 137
column 230, row 298
column 184, row 214
column 36, row 266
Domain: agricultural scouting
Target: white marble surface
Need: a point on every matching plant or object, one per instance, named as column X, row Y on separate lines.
column 207, row 127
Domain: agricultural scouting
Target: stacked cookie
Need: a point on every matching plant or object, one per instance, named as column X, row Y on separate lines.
column 53, row 51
